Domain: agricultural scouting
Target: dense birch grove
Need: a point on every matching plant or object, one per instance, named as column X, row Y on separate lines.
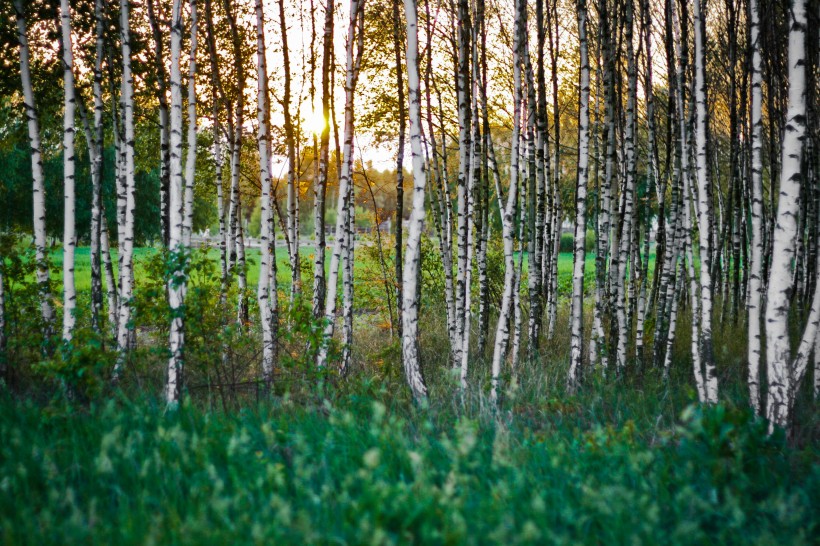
column 408, row 176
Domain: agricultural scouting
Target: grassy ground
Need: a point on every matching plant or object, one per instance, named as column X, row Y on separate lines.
column 82, row 268
column 614, row 466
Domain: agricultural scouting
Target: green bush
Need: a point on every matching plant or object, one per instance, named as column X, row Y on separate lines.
column 362, row 470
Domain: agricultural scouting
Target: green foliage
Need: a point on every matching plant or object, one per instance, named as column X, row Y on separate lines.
column 80, row 369
column 366, row 469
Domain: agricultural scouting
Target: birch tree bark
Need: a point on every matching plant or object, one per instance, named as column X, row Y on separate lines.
column 95, row 147
column 266, row 256
column 502, row 334
column 398, row 249
column 783, row 368
column 162, row 98
column 190, row 159
column 320, row 183
column 125, row 229
column 579, row 258
column 410, row 280
column 69, row 229
column 177, row 278
column 293, row 190
column 704, row 212
column 344, row 205
column 755, row 302
column 38, row 182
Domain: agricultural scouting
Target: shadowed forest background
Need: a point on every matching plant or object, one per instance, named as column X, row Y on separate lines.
column 409, row 271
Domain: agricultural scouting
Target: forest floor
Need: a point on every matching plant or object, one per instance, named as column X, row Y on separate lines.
column 619, row 464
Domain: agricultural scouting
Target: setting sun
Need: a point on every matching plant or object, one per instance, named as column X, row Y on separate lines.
column 314, row 122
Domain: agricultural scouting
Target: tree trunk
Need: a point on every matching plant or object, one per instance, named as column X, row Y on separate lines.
column 503, row 328
column 579, row 259
column 125, row 229
column 178, row 252
column 38, row 181
column 320, row 184
column 266, row 256
column 410, row 281
column 162, row 98
column 704, row 209
column 190, row 160
column 343, row 242
column 755, row 302
column 783, row 367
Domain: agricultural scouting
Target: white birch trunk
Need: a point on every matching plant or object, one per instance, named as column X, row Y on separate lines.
column 704, row 213
column 410, row 282
column 503, row 328
column 780, row 364
column 263, row 293
column 579, row 258
column 94, row 138
column 111, row 290
column 69, row 229
column 126, row 226
column 190, row 160
column 755, row 303
column 38, row 181
column 177, row 279
column 343, row 204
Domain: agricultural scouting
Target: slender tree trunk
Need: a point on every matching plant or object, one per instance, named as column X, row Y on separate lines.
column 397, row 41
column 125, row 229
column 111, row 290
column 290, row 144
column 783, row 367
column 94, row 138
column 236, row 244
column 162, row 97
column 344, row 205
column 320, row 184
column 579, row 258
column 704, row 212
column 216, row 85
column 3, row 337
column 266, row 255
column 190, row 160
column 38, row 183
column 503, row 328
column 410, row 281
column 756, row 266
column 178, row 274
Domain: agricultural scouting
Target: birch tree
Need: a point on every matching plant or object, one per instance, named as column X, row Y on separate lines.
column 756, row 265
column 266, row 256
column 69, row 229
column 579, row 255
column 320, row 182
column 410, row 281
column 177, row 278
column 502, row 333
column 786, row 368
column 38, row 183
column 162, row 99
column 704, row 212
column 125, row 231
column 344, row 204
column 190, row 159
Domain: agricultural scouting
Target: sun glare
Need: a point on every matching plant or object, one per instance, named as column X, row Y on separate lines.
column 315, row 122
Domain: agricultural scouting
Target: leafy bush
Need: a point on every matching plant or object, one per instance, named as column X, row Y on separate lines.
column 362, row 469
